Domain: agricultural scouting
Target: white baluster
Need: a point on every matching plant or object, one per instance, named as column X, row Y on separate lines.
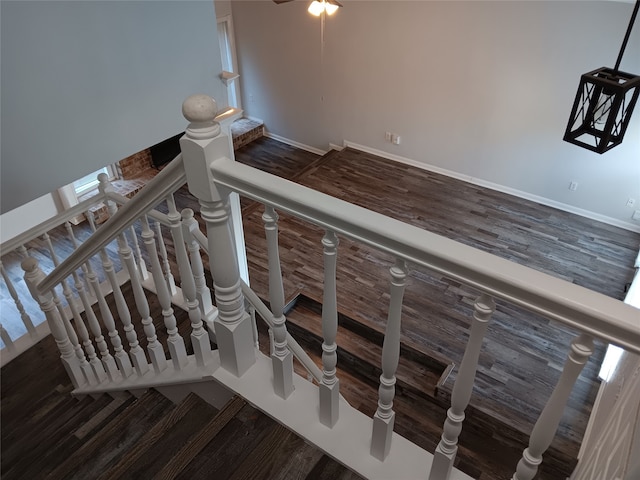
column 23, row 251
column 26, row 319
column 281, row 357
column 97, row 368
column 142, row 266
column 171, row 282
column 202, row 291
column 329, row 389
column 156, row 352
column 121, row 357
column 446, row 450
column 176, row 343
column 136, row 352
column 107, row 359
column 68, row 294
column 384, row 417
column 548, row 421
column 201, row 145
column 85, row 272
column 199, row 336
column 6, row 338
column 33, row 276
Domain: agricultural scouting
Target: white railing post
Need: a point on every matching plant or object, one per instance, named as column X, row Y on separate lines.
column 281, row 357
column 199, row 337
column 33, row 276
column 72, row 236
column 548, row 421
column 142, row 265
column 384, row 418
column 329, row 389
column 175, row 341
column 138, row 358
column 6, row 338
column 171, row 282
column 26, row 319
column 154, row 348
column 203, row 294
column 122, row 359
column 68, row 295
column 201, row 145
column 446, row 450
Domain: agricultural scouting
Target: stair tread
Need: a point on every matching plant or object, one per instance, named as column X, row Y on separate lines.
column 37, row 457
column 413, row 374
column 231, row 445
column 163, row 439
column 196, row 443
column 104, row 448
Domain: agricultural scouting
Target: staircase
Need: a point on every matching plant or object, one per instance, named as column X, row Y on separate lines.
column 53, row 435
column 383, row 425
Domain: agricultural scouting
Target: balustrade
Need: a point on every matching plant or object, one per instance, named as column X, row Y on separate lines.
column 212, row 177
column 33, row 276
column 199, row 337
column 177, row 349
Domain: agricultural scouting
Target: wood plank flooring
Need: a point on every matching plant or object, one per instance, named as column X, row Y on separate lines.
column 523, row 353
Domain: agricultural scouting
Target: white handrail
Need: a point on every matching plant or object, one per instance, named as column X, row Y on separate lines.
column 50, row 224
column 167, row 181
column 579, row 307
column 121, row 200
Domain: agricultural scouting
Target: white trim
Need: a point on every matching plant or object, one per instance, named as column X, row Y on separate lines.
column 339, row 148
column 499, row 188
column 293, row 143
column 254, row 119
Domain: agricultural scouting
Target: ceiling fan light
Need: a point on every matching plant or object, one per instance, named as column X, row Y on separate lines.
column 331, row 8
column 316, row 8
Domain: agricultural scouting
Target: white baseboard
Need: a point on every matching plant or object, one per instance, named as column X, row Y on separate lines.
column 333, row 146
column 293, row 143
column 499, row 188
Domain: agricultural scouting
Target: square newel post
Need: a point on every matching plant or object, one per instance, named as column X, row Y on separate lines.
column 202, row 145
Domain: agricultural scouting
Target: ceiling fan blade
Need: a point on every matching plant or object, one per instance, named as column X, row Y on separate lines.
column 333, row 2
column 278, row 2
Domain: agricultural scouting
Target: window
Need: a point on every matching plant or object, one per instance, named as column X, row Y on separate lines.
column 228, row 54
column 90, row 182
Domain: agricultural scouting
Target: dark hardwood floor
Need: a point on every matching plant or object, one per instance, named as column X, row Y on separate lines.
column 523, row 353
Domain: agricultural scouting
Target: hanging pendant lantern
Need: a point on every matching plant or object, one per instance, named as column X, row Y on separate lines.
column 604, row 103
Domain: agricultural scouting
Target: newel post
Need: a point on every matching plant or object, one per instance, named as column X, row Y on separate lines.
column 201, row 146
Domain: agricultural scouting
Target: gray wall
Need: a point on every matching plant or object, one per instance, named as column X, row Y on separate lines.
column 87, row 83
column 483, row 89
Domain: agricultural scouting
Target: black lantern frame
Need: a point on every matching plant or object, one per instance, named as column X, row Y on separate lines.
column 603, row 105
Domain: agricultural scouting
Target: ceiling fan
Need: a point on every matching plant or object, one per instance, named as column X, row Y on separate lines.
column 318, row 7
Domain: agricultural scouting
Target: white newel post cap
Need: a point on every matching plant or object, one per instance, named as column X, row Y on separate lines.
column 200, row 110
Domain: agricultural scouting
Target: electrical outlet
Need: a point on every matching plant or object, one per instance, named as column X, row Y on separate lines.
column 631, row 202
column 573, row 186
column 636, row 215
column 387, row 136
column 395, row 139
